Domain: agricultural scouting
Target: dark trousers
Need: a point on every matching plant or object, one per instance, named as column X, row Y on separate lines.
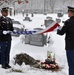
column 5, row 52
column 70, row 59
column 0, row 57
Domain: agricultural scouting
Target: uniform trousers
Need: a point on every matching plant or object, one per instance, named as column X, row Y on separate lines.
column 5, row 52
column 70, row 59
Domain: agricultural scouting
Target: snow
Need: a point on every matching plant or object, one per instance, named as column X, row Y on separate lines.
column 40, row 53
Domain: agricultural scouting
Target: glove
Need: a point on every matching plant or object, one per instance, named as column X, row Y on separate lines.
column 6, row 32
column 60, row 27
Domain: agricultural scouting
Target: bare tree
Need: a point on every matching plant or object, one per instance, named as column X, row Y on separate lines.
column 52, row 3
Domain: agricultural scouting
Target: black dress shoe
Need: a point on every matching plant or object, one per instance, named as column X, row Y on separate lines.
column 4, row 66
column 7, row 65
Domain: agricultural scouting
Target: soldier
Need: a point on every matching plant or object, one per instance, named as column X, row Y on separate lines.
column 5, row 38
column 68, row 29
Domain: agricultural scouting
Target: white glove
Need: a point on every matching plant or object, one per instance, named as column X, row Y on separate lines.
column 5, row 32
column 60, row 27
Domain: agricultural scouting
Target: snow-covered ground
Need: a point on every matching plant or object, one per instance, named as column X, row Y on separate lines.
column 58, row 47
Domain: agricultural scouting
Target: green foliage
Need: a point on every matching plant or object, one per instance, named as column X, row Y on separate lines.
column 16, row 70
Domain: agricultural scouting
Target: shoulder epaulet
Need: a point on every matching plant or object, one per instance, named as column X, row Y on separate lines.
column 9, row 18
column 0, row 17
column 67, row 20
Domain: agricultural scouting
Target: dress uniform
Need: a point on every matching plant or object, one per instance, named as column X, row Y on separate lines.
column 68, row 29
column 6, row 26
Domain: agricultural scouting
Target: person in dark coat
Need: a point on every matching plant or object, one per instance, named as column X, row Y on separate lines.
column 68, row 29
column 6, row 26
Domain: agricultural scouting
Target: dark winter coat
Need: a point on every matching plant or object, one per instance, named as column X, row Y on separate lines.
column 68, row 29
column 5, row 24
